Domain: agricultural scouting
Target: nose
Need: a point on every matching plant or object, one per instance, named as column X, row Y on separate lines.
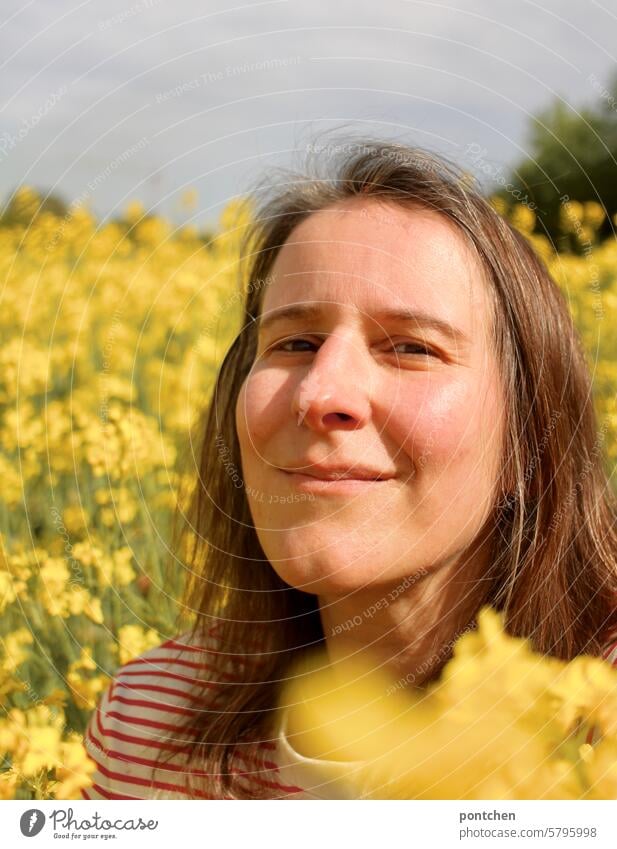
column 335, row 393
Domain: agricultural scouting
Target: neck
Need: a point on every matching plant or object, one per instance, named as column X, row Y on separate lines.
column 409, row 626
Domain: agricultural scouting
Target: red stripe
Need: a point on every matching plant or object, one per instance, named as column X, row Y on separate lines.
column 133, row 687
column 173, row 644
column 134, row 779
column 202, row 706
column 156, row 744
column 106, row 732
column 109, row 795
column 176, row 676
column 610, row 648
column 207, row 685
column 139, row 661
column 118, row 704
column 144, row 741
column 135, row 759
column 142, row 782
column 154, row 706
column 110, row 753
column 179, row 788
column 139, row 720
column 274, row 785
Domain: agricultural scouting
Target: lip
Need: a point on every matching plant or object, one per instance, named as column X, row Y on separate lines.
column 348, row 471
column 333, row 485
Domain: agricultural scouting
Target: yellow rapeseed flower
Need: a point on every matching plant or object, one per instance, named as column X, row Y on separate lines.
column 497, row 725
column 75, row 769
column 133, row 640
column 523, row 218
column 100, row 380
column 13, row 646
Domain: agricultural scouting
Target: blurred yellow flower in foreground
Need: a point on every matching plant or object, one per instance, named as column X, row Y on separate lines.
column 501, row 723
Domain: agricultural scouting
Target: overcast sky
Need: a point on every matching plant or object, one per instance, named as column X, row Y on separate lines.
column 110, row 100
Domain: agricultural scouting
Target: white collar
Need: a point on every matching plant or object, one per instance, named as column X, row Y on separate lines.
column 321, row 779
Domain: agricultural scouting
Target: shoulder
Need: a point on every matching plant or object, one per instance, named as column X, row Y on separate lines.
column 138, row 718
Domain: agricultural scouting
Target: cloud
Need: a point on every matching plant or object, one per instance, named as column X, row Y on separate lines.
column 251, row 82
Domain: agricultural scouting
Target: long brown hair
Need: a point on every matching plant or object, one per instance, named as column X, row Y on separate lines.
column 553, row 568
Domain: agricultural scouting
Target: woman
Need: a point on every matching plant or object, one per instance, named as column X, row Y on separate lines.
column 401, row 433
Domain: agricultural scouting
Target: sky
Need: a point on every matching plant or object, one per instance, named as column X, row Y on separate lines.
column 107, row 102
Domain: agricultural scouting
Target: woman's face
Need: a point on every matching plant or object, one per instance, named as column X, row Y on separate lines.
column 355, row 385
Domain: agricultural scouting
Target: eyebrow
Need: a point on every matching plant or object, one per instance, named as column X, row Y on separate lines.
column 296, row 312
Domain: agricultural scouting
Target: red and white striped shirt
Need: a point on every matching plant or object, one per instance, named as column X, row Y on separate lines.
column 138, row 715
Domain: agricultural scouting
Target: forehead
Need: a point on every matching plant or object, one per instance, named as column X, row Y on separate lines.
column 368, row 253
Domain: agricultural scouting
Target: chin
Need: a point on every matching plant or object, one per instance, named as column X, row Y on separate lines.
column 336, row 571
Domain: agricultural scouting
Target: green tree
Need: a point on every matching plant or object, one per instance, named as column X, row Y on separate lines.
column 572, row 152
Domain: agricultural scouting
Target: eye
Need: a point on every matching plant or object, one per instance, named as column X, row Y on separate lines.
column 419, row 349
column 280, row 346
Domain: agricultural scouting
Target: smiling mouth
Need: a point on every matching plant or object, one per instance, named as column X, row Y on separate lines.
column 347, row 471
column 333, row 484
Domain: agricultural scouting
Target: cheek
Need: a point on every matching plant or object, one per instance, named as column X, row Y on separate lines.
column 262, row 406
column 440, row 424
